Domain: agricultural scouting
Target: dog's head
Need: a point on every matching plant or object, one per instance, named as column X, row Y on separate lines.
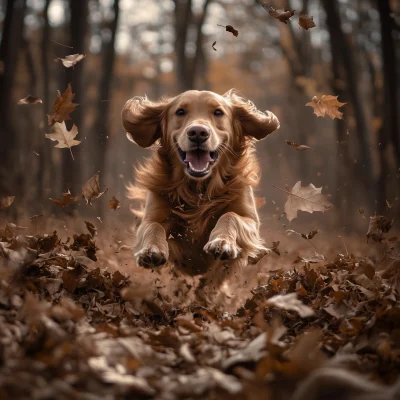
column 198, row 128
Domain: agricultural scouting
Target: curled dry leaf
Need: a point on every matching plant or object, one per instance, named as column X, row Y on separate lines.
column 6, row 201
column 65, row 138
column 71, row 60
column 231, row 29
column 275, row 248
column 213, row 46
column 91, row 228
column 30, row 100
column 307, row 236
column 65, row 199
column 280, row 14
column 299, row 147
column 326, row 105
column 63, row 106
column 114, row 203
column 378, row 225
column 290, row 302
column 306, row 21
column 308, row 198
column 91, row 189
column 389, row 204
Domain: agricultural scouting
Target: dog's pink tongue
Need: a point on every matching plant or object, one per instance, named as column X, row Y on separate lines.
column 198, row 158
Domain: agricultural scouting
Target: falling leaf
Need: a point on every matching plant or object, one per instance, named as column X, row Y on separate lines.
column 275, row 248
column 71, row 60
column 114, row 203
column 63, row 107
column 326, row 105
column 91, row 189
column 30, row 100
column 378, row 225
column 231, row 29
column 65, row 199
column 308, row 198
column 290, row 302
column 213, row 46
column 299, row 147
column 389, row 204
column 306, row 21
column 65, row 138
column 6, row 201
column 91, row 228
column 281, row 15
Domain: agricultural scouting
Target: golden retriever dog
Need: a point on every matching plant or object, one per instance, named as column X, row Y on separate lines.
column 200, row 211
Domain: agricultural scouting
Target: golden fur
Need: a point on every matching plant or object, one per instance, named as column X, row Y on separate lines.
column 185, row 215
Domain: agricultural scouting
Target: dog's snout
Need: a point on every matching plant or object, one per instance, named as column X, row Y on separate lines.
column 198, row 133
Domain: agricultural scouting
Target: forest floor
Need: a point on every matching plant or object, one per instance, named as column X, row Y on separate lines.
column 77, row 320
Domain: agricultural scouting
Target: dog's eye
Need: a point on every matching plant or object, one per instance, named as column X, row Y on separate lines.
column 218, row 113
column 180, row 112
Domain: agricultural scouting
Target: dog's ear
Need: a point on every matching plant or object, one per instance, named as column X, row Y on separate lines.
column 142, row 120
column 249, row 119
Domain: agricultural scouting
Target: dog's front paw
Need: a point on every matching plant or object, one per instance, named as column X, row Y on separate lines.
column 150, row 257
column 222, row 249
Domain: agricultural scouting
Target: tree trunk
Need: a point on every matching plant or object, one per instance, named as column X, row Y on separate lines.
column 9, row 50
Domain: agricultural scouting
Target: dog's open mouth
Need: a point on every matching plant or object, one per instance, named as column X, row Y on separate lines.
column 198, row 162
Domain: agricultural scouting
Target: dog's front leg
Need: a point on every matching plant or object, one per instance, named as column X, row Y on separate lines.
column 234, row 234
column 151, row 244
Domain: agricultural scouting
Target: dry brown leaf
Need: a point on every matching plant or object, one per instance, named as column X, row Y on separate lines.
column 65, row 199
column 71, row 60
column 299, row 147
column 280, row 14
column 6, row 201
column 290, row 302
column 91, row 189
column 308, row 198
column 91, row 228
column 306, row 21
column 378, row 225
column 30, row 100
column 326, row 105
column 389, row 204
column 63, row 107
column 231, row 29
column 65, row 138
column 213, row 46
column 114, row 203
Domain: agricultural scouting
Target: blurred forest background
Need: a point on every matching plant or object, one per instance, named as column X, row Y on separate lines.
column 163, row 47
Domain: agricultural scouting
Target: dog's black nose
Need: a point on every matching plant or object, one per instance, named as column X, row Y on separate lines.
column 198, row 134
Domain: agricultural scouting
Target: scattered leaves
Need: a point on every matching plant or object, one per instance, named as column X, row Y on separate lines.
column 65, row 199
column 326, row 105
column 280, row 14
column 231, row 29
column 65, row 138
column 30, row 100
column 71, row 60
column 63, row 107
column 91, row 189
column 299, row 147
column 306, row 21
column 114, row 203
column 6, row 201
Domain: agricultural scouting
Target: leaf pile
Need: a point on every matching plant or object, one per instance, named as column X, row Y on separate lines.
column 71, row 328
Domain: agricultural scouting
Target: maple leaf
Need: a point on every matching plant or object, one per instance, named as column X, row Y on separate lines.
column 71, row 60
column 91, row 189
column 231, row 29
column 114, row 203
column 63, row 106
column 290, row 302
column 308, row 198
column 378, row 225
column 6, row 201
column 299, row 147
column 280, row 14
column 65, row 199
column 213, row 46
column 30, row 100
column 326, row 105
column 306, row 21
column 65, row 138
